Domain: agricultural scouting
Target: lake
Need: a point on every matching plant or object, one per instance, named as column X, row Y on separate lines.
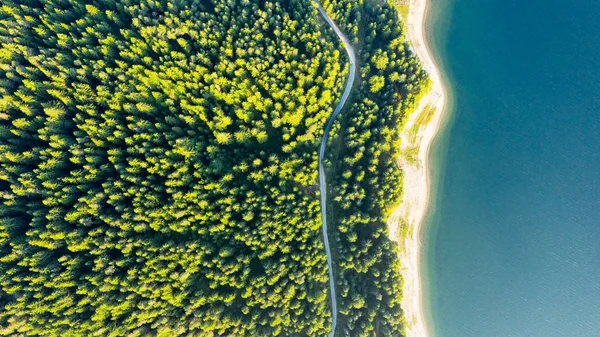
column 513, row 233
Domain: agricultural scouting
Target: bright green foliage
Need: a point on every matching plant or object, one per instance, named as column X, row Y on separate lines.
column 157, row 167
column 368, row 182
column 347, row 15
column 377, row 82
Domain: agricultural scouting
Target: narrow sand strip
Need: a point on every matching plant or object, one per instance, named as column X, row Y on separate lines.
column 414, row 202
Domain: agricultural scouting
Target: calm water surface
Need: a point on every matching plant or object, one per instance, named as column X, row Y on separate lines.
column 514, row 239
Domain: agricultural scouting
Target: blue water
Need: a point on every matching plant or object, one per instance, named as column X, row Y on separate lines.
column 514, row 234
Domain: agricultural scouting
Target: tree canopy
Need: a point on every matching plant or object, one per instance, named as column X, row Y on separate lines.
column 158, row 167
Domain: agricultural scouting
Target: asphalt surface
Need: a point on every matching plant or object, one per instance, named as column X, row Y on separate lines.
column 322, row 178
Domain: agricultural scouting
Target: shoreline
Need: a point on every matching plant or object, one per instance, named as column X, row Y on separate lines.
column 416, row 175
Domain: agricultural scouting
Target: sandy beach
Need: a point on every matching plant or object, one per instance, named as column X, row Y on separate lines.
column 413, row 206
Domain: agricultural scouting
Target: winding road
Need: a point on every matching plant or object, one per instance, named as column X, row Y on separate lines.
column 322, row 178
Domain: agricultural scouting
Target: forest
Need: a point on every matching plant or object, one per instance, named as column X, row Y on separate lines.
column 158, row 167
column 367, row 182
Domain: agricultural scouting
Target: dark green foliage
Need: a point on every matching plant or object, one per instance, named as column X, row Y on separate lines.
column 368, row 180
column 157, row 167
column 347, row 15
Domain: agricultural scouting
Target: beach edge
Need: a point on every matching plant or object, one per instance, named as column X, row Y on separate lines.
column 414, row 203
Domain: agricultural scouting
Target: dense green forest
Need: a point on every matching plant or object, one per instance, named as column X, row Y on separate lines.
column 366, row 179
column 158, row 167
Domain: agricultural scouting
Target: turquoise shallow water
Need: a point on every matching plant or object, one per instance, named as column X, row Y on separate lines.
column 514, row 231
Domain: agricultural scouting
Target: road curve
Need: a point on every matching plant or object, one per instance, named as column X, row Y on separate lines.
column 322, row 179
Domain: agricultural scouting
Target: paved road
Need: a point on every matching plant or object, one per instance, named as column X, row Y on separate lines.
column 322, row 179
